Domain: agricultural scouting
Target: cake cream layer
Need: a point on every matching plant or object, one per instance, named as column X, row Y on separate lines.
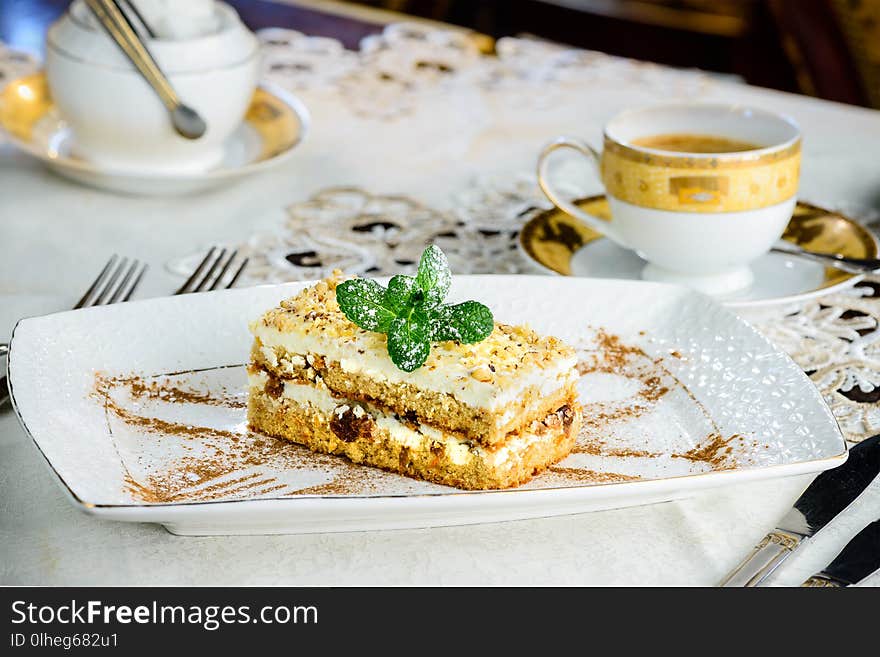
column 486, row 389
column 311, row 415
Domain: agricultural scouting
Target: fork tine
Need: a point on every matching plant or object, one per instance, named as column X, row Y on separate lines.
column 136, row 282
column 237, row 273
column 82, row 303
column 122, row 285
column 210, row 272
column 219, row 279
column 198, row 271
column 110, row 284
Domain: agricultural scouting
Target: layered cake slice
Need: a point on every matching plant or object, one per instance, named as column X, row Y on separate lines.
column 490, row 414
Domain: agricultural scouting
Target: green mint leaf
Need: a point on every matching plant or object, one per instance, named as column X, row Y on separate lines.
column 399, row 295
column 362, row 300
column 440, row 327
column 433, row 277
column 408, row 343
column 411, row 311
column 467, row 322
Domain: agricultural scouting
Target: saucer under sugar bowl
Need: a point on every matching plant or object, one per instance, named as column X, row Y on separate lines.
column 118, row 121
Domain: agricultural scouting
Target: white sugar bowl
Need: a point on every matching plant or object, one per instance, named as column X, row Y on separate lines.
column 118, row 122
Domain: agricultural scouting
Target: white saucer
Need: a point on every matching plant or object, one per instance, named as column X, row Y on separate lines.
column 778, row 278
column 275, row 123
column 561, row 244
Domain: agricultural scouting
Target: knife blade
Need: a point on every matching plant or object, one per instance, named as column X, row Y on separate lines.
column 829, row 494
column 856, row 561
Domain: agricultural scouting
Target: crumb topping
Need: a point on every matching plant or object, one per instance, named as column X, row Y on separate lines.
column 508, row 351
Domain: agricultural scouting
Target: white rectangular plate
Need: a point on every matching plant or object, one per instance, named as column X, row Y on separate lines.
column 139, row 409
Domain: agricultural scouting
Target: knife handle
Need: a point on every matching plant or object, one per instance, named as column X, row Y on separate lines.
column 763, row 560
column 821, row 580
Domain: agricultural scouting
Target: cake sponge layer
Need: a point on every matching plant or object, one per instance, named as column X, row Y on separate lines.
column 311, row 415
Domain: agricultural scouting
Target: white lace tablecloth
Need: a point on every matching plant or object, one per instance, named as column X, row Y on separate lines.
column 418, row 136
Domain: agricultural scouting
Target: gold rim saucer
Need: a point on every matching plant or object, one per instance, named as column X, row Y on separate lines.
column 551, row 238
column 26, row 107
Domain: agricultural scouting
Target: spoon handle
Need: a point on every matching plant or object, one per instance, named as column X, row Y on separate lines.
column 132, row 7
column 844, row 263
column 120, row 29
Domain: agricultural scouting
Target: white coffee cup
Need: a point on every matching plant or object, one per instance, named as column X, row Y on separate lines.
column 118, row 121
column 697, row 218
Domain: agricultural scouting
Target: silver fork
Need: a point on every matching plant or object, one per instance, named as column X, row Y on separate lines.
column 211, row 274
column 115, row 284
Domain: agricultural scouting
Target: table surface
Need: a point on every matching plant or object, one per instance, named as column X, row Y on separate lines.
column 57, row 235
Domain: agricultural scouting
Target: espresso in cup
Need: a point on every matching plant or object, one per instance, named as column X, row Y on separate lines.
column 697, row 190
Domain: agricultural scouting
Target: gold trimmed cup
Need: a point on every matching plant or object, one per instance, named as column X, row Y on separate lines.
column 697, row 218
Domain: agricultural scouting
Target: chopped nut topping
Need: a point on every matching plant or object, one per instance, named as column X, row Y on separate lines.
column 499, row 360
column 482, row 374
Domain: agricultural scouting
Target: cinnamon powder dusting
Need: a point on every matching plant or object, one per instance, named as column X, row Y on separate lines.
column 225, row 464
column 163, row 427
column 162, row 389
column 715, row 450
column 336, row 487
column 653, row 388
column 609, row 354
column 166, row 392
column 598, row 448
column 582, row 476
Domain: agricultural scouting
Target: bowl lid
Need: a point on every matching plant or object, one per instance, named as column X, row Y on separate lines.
column 214, row 39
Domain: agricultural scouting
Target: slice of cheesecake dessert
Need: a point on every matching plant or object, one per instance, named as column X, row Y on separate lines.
column 485, row 415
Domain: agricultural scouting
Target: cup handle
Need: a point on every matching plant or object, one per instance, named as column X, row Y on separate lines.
column 604, row 227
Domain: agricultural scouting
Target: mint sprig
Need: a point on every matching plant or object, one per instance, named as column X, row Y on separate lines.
column 411, row 312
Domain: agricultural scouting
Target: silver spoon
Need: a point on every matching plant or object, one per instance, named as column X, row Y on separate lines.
column 844, row 263
column 186, row 121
